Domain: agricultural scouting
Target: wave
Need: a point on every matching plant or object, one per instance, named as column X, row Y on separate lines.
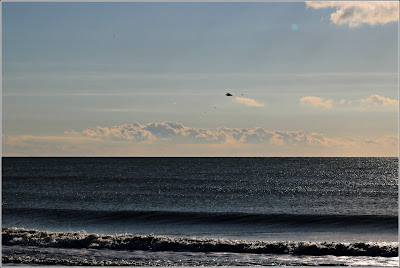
column 42, row 260
column 23, row 237
column 170, row 217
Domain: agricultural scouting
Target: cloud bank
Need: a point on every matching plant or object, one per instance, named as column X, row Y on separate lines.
column 175, row 139
column 155, row 132
column 356, row 13
column 316, row 102
column 159, row 132
column 248, row 102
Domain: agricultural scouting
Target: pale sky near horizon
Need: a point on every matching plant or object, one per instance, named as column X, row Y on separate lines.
column 149, row 79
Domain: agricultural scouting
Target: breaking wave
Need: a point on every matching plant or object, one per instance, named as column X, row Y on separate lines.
column 79, row 240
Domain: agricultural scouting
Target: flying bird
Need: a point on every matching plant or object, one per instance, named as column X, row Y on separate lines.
column 228, row 94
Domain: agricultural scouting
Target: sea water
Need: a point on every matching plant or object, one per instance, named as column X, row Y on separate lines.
column 200, row 211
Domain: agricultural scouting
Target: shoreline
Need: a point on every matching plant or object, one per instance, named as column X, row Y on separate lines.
column 33, row 247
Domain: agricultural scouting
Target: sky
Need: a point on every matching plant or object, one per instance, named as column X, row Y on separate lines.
column 149, row 79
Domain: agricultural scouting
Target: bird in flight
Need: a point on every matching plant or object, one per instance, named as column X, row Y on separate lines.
column 228, row 94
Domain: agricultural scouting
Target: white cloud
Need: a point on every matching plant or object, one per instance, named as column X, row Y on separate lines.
column 315, row 102
column 248, row 102
column 356, row 13
column 377, row 100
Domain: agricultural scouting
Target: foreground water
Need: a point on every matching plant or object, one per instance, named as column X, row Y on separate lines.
column 346, row 203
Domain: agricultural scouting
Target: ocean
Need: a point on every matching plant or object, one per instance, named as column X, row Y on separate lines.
column 200, row 211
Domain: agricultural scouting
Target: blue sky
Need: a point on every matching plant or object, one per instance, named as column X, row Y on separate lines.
column 76, row 66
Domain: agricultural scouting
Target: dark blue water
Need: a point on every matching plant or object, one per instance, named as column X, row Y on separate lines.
column 256, row 198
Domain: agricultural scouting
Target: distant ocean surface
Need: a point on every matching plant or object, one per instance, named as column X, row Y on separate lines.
column 200, row 211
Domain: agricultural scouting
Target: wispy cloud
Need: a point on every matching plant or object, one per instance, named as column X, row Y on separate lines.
column 188, row 84
column 374, row 100
column 377, row 100
column 356, row 13
column 71, row 132
column 248, row 102
column 316, row 102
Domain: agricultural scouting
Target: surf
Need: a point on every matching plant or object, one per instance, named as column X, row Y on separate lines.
column 83, row 240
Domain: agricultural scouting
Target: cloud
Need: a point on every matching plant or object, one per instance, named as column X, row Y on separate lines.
column 377, row 100
column 278, row 137
column 30, row 145
column 356, row 13
column 71, row 132
column 133, row 131
column 177, row 133
column 248, row 102
column 316, row 102
column 254, row 142
column 155, row 131
column 175, row 139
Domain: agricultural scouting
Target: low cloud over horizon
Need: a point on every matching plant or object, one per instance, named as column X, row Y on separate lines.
column 175, row 139
column 357, row 13
column 178, row 133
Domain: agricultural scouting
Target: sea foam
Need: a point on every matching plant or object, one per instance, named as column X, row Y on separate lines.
column 24, row 237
